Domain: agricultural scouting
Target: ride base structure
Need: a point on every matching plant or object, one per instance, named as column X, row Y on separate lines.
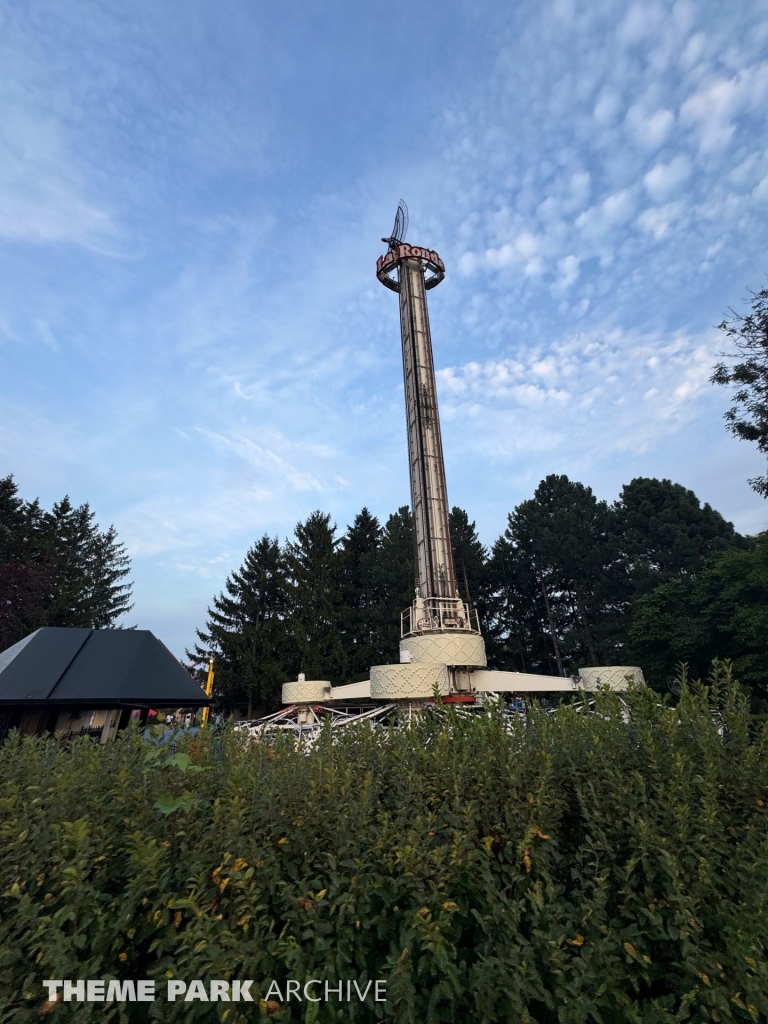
column 441, row 647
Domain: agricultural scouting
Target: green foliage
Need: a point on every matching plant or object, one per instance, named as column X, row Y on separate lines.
column 361, row 595
column 748, row 416
column 469, row 559
column 564, row 534
column 664, row 532
column 88, row 565
column 566, row 580
column 558, row 590
column 323, row 605
column 397, row 578
column 57, row 568
column 247, row 628
column 518, row 628
column 313, row 572
column 724, row 608
column 585, row 866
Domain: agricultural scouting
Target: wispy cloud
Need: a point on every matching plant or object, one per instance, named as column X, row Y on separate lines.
column 594, row 174
column 594, row 394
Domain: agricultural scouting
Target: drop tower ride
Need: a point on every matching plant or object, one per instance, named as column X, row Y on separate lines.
column 412, row 271
column 441, row 648
column 438, row 628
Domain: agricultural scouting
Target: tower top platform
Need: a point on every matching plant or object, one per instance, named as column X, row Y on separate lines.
column 390, row 261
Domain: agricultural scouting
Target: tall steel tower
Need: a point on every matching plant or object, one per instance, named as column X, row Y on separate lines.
column 412, row 271
column 441, row 649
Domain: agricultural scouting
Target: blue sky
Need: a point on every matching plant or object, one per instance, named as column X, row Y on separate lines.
column 192, row 195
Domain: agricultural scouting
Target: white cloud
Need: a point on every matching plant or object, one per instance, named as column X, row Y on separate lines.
column 40, row 201
column 640, row 21
column 569, row 271
column 44, row 194
column 657, row 220
column 650, row 130
column 526, row 250
column 608, row 107
column 613, row 211
column 694, row 48
column 714, row 107
column 555, row 398
column 663, row 179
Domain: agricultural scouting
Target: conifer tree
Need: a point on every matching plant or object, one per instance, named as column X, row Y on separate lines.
column 361, row 595
column 57, row 568
column 561, row 531
column 397, row 579
column 664, row 531
column 12, row 521
column 314, row 593
column 26, row 585
column 89, row 567
column 247, row 631
column 469, row 559
column 519, row 634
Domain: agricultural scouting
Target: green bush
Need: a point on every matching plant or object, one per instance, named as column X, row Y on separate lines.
column 604, row 865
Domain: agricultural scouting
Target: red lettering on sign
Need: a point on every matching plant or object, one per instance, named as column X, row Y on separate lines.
column 404, row 252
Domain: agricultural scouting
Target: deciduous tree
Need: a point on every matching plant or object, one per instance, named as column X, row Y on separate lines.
column 723, row 610
column 748, row 416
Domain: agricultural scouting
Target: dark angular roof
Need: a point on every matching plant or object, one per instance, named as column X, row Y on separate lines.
column 105, row 668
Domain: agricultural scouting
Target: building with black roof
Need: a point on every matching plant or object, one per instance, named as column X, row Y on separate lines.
column 90, row 680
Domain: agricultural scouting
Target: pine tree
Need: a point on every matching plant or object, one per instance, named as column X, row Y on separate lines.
column 12, row 521
column 24, row 593
column 519, row 636
column 57, row 568
column 361, row 595
column 314, row 594
column 247, row 631
column 397, row 579
column 663, row 531
column 565, row 533
column 470, row 560
column 89, row 567
column 25, row 584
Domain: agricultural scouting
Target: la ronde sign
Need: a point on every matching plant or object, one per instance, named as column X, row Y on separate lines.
column 389, row 262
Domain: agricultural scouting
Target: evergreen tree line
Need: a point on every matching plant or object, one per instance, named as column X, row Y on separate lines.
column 57, row 568
column 650, row 579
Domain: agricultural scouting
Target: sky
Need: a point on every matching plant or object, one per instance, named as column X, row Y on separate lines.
column 192, row 197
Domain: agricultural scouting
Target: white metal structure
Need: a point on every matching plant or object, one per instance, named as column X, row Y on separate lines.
column 304, row 722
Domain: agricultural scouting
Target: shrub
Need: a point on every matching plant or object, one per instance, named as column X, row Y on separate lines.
column 602, row 864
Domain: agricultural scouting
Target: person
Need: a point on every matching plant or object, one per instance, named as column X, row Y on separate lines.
column 187, row 720
column 169, row 720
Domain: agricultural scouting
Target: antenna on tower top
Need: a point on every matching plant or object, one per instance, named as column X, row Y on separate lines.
column 400, row 228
